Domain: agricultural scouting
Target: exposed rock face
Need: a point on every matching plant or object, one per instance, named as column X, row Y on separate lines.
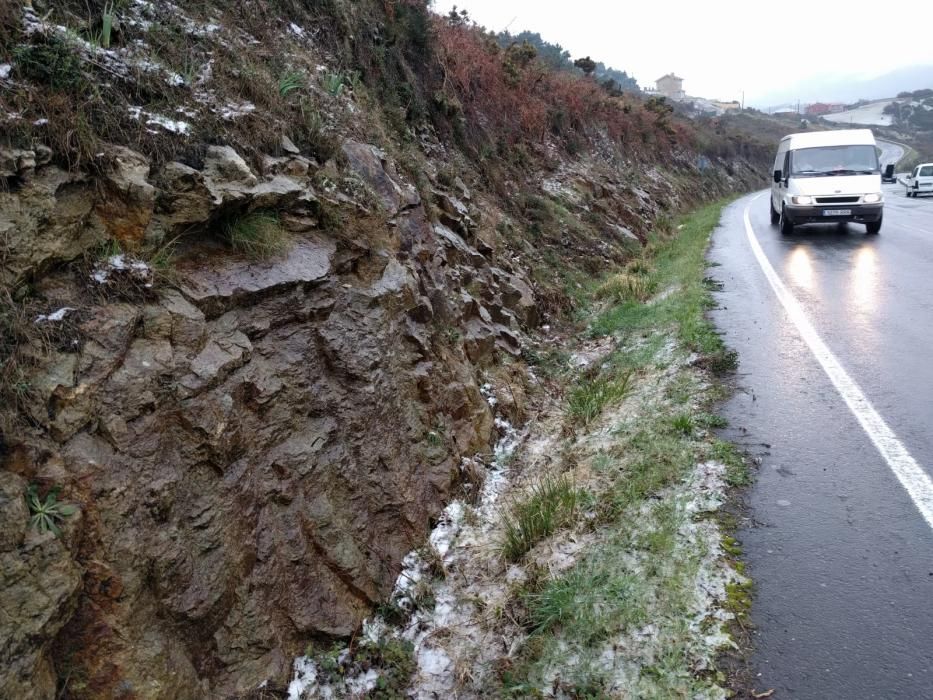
column 253, row 447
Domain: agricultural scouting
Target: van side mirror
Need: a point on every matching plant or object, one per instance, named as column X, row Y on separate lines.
column 777, row 176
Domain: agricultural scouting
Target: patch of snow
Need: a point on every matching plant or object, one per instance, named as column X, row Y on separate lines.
column 305, row 679
column 124, row 264
column 5, row 69
column 40, row 122
column 172, row 125
column 232, row 110
column 295, row 29
column 55, row 315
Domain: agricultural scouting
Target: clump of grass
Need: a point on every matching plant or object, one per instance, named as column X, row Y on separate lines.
column 290, row 81
column 258, row 234
column 333, row 84
column 588, row 400
column 550, row 506
column 626, row 286
column 578, row 602
column 683, row 423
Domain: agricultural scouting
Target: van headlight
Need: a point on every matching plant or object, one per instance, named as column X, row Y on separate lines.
column 802, row 199
column 872, row 198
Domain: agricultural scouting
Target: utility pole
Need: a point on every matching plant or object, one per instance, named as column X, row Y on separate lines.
column 743, row 98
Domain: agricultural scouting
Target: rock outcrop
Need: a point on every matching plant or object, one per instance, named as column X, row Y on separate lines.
column 254, row 445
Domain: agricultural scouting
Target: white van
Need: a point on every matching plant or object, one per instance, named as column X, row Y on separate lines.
column 920, row 180
column 823, row 176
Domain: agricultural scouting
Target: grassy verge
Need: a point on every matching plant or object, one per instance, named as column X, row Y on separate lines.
column 631, row 617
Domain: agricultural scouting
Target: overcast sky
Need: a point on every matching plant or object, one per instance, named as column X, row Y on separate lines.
column 721, row 47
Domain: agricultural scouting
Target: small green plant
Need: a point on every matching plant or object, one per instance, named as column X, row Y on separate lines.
column 550, row 506
column 355, row 81
column 290, row 81
column 333, row 84
column 259, row 234
column 46, row 514
column 106, row 27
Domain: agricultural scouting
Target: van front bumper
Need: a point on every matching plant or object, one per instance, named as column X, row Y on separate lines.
column 862, row 213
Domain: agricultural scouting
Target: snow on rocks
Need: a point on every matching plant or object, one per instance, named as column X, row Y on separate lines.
column 441, row 611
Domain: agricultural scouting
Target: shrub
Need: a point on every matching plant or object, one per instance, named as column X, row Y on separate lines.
column 52, row 63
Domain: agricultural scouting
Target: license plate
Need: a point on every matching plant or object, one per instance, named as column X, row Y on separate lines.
column 837, row 212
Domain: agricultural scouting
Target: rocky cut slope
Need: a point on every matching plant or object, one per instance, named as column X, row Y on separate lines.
column 255, row 270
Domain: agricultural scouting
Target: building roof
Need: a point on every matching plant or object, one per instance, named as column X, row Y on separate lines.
column 669, row 75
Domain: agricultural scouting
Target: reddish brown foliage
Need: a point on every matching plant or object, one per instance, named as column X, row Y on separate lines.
column 509, row 101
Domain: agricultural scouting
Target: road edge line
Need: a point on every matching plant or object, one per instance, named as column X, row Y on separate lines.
column 909, row 473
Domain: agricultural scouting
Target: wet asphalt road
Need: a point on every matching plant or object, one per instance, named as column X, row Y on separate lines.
column 841, row 557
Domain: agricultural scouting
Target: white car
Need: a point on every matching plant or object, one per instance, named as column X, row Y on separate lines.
column 920, row 180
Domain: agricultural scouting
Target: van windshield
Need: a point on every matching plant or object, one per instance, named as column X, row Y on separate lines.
column 833, row 160
column 926, row 171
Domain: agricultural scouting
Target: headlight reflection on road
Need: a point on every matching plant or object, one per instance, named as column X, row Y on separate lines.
column 863, row 280
column 800, row 268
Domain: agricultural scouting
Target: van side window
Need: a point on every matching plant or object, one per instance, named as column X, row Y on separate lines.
column 786, row 170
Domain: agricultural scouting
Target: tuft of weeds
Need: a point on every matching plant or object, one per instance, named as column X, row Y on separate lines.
column 577, row 603
column 710, row 421
column 258, row 234
column 588, row 400
column 626, row 286
column 683, row 423
column 290, row 81
column 638, row 266
column 333, row 84
column 737, row 472
column 551, row 505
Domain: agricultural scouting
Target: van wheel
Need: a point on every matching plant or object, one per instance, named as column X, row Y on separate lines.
column 787, row 226
column 775, row 217
column 873, row 227
column 909, row 193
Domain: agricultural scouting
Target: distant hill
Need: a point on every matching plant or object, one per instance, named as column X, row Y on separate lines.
column 840, row 88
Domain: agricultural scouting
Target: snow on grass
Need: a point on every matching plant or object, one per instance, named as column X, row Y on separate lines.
column 122, row 265
column 175, row 126
column 55, row 316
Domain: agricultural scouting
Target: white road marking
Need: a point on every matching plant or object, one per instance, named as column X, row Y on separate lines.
column 913, row 478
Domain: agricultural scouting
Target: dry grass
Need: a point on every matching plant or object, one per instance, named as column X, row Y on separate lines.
column 258, row 234
column 626, row 286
